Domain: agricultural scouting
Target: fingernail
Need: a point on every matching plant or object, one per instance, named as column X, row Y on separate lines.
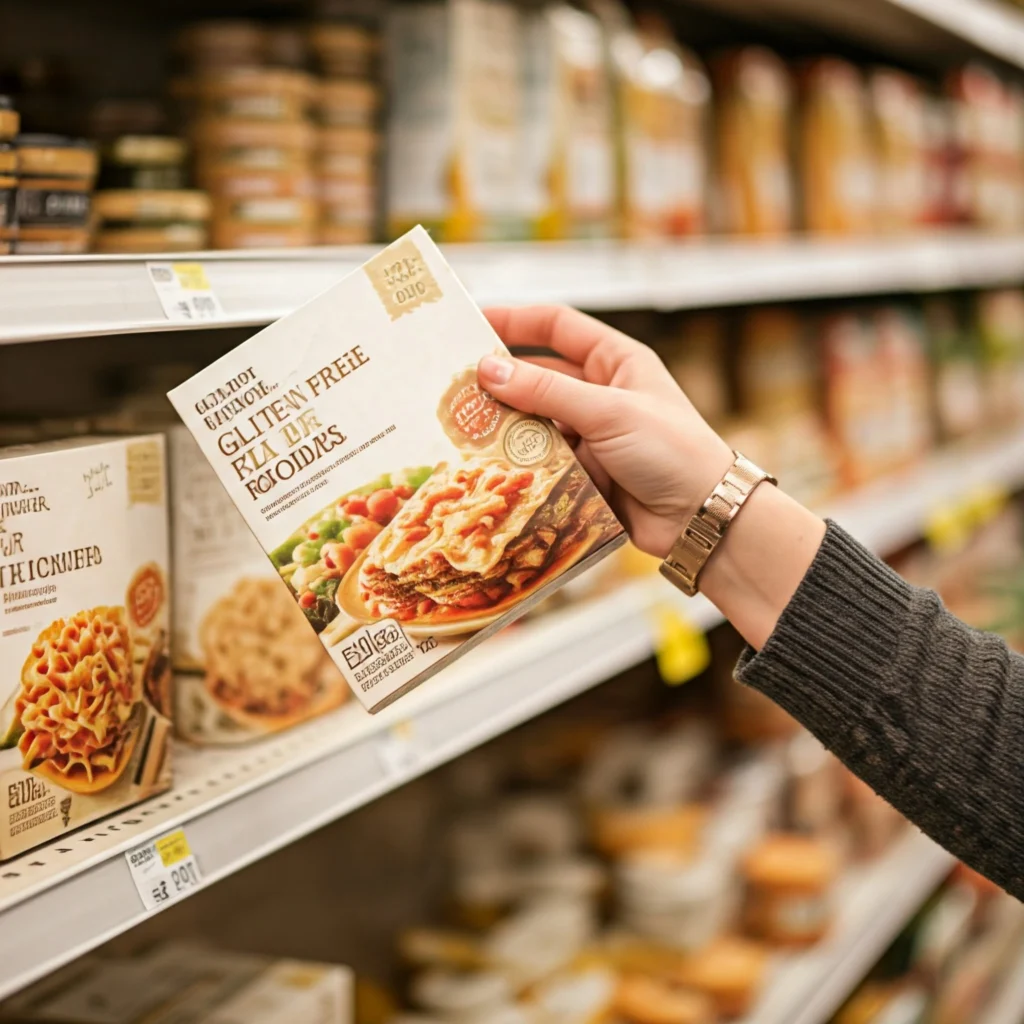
column 496, row 369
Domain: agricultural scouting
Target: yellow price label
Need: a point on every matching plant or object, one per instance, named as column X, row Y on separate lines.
column 950, row 527
column 173, row 848
column 192, row 277
column 681, row 649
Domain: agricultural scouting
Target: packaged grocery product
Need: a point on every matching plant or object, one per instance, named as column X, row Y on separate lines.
column 646, row 1000
column 857, row 404
column 455, row 139
column 86, row 712
column 134, row 220
column 347, row 51
column 753, row 113
column 959, row 384
column 247, row 663
column 775, row 371
column 568, row 141
column 940, row 173
column 667, row 897
column 662, row 95
column 147, row 162
column 217, row 45
column 893, row 1002
column 695, row 354
column 624, row 829
column 1000, row 323
column 180, row 982
column 898, row 117
column 260, row 94
column 789, row 882
column 730, row 971
column 836, row 157
column 347, row 104
column 346, row 168
column 56, row 178
column 238, row 146
column 903, row 351
column 582, row 996
column 814, row 795
column 412, row 515
column 9, row 124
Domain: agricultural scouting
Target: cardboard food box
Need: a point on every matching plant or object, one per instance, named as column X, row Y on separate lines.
column 84, row 660
column 411, row 514
column 185, row 982
column 246, row 663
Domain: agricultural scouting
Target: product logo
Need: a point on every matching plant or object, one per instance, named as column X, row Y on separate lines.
column 528, row 442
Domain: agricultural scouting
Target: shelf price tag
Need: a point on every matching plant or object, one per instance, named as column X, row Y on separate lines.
column 164, row 870
column 681, row 649
column 400, row 750
column 185, row 293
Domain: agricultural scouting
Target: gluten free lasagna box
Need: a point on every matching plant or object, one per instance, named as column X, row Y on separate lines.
column 410, row 513
column 84, row 663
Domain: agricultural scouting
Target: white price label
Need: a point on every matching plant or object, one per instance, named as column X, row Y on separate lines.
column 185, row 293
column 164, row 870
column 400, row 750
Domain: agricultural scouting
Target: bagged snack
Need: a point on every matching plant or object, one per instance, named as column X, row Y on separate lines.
column 569, row 186
column 898, row 116
column 411, row 514
column 662, row 94
column 84, row 652
column 455, row 139
column 836, row 156
column 754, row 108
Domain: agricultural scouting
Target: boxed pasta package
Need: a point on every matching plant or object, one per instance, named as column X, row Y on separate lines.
column 410, row 513
column 84, row 660
column 246, row 663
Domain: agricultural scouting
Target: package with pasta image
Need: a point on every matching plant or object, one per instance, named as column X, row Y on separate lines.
column 246, row 663
column 85, row 672
column 408, row 512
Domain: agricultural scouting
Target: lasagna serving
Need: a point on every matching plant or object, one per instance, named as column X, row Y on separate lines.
column 478, row 533
column 76, row 700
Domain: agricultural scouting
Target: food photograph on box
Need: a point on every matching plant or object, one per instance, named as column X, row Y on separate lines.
column 512, row 512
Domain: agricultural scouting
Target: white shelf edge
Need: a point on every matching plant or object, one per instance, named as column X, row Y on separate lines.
column 242, row 804
column 990, row 25
column 88, row 296
column 875, row 902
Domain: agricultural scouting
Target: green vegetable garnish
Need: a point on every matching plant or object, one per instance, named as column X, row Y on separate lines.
column 329, row 529
column 311, row 553
column 282, row 555
column 417, row 477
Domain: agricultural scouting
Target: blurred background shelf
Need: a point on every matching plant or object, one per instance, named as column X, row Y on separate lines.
column 875, row 904
column 1007, row 1006
column 91, row 295
column 239, row 805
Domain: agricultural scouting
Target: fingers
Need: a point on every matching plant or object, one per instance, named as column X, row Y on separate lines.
column 587, row 409
column 598, row 348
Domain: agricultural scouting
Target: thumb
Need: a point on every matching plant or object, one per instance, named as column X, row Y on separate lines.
column 586, row 408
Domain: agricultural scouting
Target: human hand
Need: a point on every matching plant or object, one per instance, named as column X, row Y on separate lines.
column 640, row 438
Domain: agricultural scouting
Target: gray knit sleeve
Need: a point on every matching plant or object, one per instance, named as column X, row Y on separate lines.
column 929, row 712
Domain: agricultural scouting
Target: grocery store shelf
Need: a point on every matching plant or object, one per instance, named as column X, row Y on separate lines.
column 239, row 805
column 875, row 902
column 1007, row 1005
column 94, row 295
column 929, row 31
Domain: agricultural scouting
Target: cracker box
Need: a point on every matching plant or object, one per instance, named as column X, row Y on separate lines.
column 84, row 662
column 411, row 514
column 246, row 663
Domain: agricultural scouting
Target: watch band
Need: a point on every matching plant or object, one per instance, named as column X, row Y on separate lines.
column 706, row 528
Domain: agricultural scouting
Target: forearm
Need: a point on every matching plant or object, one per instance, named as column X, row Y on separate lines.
column 757, row 567
column 927, row 711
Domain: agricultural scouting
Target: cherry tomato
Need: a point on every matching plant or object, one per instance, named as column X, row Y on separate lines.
column 356, row 506
column 307, row 600
column 404, row 491
column 383, row 505
column 338, row 556
column 359, row 535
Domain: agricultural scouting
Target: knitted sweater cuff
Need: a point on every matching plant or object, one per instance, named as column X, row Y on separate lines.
column 836, row 638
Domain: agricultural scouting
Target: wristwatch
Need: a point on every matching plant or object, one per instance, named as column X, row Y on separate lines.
column 706, row 528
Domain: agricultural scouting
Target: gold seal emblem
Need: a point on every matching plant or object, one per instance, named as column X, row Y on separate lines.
column 528, row 442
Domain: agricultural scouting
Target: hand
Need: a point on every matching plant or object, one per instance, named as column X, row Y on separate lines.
column 636, row 433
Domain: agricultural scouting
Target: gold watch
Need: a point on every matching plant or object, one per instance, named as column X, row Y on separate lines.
column 703, row 532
